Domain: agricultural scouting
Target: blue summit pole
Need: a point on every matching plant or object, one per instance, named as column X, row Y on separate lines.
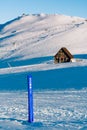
column 30, row 100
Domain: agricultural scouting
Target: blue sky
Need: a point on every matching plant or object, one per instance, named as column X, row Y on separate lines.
column 10, row 9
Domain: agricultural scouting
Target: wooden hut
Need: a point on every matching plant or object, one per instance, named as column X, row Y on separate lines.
column 63, row 55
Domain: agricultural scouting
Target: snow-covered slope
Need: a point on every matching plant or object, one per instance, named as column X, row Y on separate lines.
column 31, row 36
column 27, row 45
column 29, row 42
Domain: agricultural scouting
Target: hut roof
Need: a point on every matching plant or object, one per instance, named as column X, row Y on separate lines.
column 66, row 52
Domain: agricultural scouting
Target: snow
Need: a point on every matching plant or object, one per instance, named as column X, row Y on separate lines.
column 28, row 44
column 42, row 35
column 35, row 36
column 49, row 65
column 55, row 110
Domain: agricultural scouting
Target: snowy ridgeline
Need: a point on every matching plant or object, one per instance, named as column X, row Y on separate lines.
column 53, row 110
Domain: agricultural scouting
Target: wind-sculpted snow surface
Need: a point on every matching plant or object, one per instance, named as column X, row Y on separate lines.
column 53, row 110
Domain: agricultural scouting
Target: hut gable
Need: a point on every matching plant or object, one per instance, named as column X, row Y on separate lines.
column 63, row 55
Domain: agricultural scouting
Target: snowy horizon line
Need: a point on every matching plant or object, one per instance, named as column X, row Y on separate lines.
column 41, row 15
